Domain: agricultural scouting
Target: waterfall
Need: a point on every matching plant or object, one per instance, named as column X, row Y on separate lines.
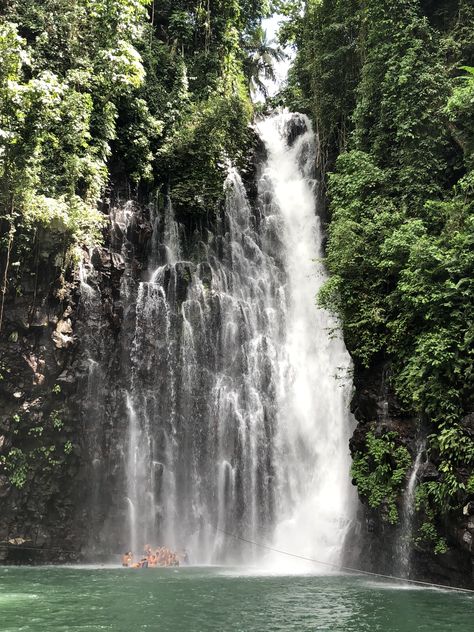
column 314, row 495
column 231, row 385
column 93, row 411
column 404, row 544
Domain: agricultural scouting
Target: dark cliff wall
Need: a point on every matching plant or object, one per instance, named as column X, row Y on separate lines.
column 64, row 352
column 38, row 427
column 375, row 543
column 59, row 435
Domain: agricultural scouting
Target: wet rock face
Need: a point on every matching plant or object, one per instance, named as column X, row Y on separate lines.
column 184, row 275
column 376, row 408
column 37, row 344
column 296, row 126
column 46, row 437
column 468, row 424
column 375, row 542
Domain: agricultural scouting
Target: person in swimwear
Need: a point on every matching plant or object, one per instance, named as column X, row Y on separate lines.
column 127, row 559
column 161, row 556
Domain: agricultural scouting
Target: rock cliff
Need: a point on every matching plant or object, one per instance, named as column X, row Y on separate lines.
column 377, row 544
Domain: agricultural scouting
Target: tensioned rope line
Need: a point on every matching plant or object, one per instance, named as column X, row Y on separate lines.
column 344, row 568
column 280, row 551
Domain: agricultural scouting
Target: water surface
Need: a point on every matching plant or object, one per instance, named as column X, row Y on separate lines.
column 232, row 600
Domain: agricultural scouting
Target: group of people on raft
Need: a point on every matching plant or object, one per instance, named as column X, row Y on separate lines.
column 163, row 556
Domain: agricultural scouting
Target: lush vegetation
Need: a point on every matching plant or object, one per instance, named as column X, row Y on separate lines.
column 391, row 89
column 44, row 449
column 95, row 93
column 379, row 472
column 154, row 95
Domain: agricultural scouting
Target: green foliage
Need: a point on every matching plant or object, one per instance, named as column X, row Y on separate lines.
column 399, row 100
column 57, row 120
column 47, row 455
column 214, row 133
column 207, row 100
column 16, row 467
column 153, row 94
column 68, row 65
column 36, row 448
column 401, row 229
column 429, row 498
column 380, row 471
column 461, row 115
column 362, row 217
column 470, row 485
column 326, row 71
column 56, row 420
column 260, row 59
column 429, row 535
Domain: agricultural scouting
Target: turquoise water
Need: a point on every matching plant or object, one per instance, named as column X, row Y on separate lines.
column 228, row 600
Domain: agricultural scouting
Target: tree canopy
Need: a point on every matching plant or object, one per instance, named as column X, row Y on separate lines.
column 97, row 94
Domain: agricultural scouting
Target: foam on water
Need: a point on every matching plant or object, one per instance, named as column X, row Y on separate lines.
column 11, row 598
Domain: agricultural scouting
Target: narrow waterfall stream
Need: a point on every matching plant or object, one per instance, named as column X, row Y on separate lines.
column 234, row 388
column 404, row 548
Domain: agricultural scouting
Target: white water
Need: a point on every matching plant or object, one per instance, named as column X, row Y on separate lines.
column 233, row 394
column 404, row 547
column 315, row 497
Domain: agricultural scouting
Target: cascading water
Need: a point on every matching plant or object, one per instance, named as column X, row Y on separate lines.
column 315, row 498
column 235, row 420
column 201, row 406
column 404, row 545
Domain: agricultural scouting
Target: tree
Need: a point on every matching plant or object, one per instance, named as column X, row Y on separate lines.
column 260, row 62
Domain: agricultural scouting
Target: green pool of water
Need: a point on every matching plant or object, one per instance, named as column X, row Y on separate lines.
column 227, row 600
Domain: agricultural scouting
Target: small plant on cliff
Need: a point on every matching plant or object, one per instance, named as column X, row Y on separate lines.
column 427, row 501
column 56, row 420
column 16, row 467
column 379, row 472
column 428, row 533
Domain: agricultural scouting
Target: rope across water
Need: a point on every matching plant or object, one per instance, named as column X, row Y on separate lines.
column 348, row 569
column 260, row 545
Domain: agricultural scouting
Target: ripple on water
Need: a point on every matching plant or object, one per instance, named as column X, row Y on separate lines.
column 7, row 598
column 214, row 600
